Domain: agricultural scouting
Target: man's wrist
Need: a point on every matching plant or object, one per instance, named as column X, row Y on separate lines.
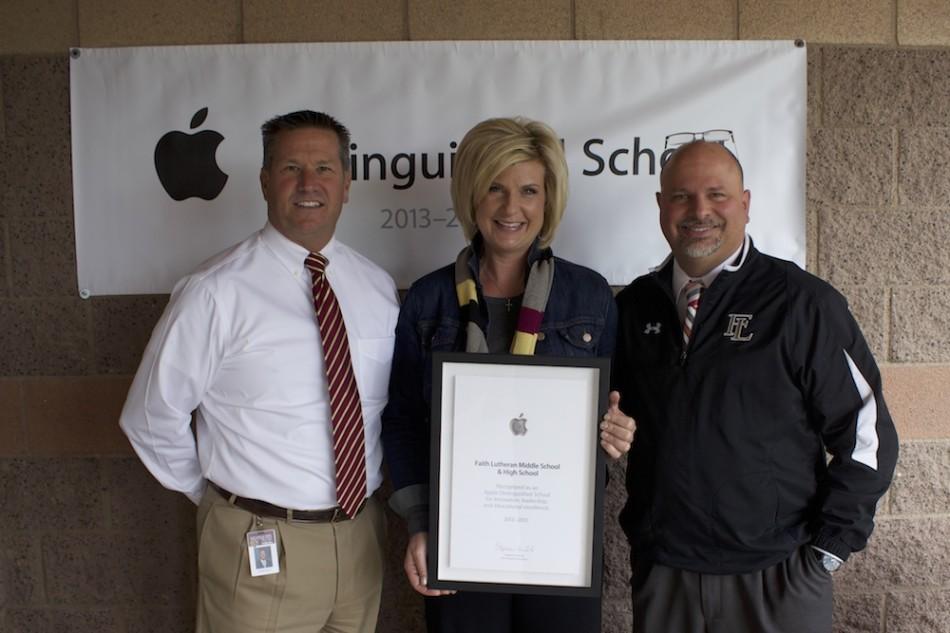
column 829, row 561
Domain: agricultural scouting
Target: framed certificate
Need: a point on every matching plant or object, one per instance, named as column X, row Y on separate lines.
column 517, row 481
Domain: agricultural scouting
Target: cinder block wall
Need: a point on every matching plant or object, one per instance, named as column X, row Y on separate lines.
column 91, row 543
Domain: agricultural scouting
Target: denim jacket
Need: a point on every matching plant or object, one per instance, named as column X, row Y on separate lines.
column 580, row 319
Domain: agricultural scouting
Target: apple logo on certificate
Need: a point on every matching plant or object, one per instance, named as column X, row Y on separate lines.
column 519, row 425
column 186, row 164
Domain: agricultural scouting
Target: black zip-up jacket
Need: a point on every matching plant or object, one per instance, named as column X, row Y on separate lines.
column 728, row 470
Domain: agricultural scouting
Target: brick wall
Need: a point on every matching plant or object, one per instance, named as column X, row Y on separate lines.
column 92, row 543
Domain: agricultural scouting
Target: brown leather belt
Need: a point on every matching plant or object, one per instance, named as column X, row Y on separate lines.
column 262, row 508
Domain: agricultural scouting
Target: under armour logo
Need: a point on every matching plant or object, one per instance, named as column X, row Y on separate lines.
column 736, row 328
column 652, row 328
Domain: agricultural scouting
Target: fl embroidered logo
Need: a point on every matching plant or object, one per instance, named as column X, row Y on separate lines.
column 736, row 328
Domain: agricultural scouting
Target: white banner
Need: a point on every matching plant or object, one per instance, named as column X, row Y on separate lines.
column 150, row 206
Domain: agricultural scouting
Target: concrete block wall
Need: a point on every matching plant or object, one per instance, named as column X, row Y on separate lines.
column 92, row 543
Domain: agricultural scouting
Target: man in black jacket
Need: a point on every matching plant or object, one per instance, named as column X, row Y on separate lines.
column 743, row 373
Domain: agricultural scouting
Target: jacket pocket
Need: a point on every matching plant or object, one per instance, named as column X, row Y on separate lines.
column 577, row 337
column 746, row 508
column 438, row 336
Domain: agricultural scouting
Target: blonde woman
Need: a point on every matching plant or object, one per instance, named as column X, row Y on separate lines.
column 505, row 293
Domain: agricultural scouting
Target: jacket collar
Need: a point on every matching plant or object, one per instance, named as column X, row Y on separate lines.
column 664, row 272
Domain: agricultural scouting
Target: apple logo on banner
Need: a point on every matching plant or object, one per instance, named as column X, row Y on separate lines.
column 519, row 425
column 186, row 164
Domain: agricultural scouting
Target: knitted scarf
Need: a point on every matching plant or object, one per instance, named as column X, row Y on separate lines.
column 475, row 320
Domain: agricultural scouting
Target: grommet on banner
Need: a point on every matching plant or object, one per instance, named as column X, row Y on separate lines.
column 75, row 53
column 799, row 43
column 84, row 294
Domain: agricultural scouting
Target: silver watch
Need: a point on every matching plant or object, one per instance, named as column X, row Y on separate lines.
column 829, row 562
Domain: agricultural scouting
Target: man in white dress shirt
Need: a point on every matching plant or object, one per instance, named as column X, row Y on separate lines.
column 240, row 343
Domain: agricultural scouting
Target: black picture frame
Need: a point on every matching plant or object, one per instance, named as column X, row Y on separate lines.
column 441, row 575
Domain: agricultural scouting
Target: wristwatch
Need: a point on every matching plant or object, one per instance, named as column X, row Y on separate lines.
column 829, row 562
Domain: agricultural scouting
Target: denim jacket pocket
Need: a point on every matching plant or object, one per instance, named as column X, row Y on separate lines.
column 438, row 335
column 577, row 337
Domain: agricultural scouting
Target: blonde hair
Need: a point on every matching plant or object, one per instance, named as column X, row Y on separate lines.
column 493, row 146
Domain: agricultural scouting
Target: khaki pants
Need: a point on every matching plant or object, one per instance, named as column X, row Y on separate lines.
column 330, row 573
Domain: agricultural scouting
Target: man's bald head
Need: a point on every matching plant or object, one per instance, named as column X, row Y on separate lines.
column 703, row 206
column 693, row 146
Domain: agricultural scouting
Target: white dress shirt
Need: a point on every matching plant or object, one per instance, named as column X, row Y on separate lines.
column 680, row 278
column 239, row 342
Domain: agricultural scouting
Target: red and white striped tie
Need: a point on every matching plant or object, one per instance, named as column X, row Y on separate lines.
column 345, row 409
column 693, row 290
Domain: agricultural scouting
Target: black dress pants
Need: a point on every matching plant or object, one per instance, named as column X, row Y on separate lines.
column 474, row 612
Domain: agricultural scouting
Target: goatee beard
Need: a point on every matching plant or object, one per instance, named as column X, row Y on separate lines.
column 702, row 248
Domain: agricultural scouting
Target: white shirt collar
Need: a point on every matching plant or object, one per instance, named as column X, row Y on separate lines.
column 291, row 254
column 680, row 278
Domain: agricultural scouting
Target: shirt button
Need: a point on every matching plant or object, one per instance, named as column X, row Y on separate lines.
column 587, row 337
column 540, row 336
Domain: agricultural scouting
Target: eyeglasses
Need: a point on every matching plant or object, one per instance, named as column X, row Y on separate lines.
column 712, row 136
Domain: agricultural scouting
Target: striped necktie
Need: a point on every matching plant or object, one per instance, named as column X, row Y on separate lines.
column 693, row 291
column 345, row 410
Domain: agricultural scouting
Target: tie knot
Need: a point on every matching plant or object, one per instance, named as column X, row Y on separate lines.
column 693, row 288
column 316, row 263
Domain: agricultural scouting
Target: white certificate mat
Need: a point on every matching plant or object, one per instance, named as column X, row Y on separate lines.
column 517, row 472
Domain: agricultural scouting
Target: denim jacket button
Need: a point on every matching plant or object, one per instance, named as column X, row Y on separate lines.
column 587, row 337
column 540, row 336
